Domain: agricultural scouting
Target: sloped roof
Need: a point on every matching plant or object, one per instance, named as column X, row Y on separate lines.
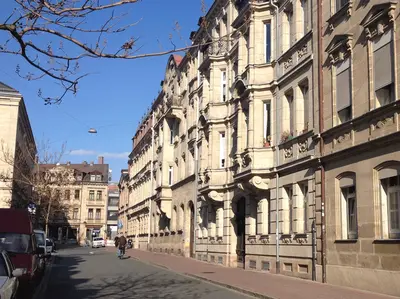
column 6, row 88
column 85, row 169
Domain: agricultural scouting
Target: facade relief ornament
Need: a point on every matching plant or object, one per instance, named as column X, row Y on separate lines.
column 288, row 63
column 215, row 196
column 288, row 152
column 303, row 146
column 384, row 122
column 302, row 52
column 343, row 138
column 259, row 182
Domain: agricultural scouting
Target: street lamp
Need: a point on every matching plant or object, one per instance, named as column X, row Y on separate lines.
column 92, row 131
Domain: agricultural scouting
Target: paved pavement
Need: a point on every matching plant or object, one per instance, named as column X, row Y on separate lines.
column 78, row 274
column 262, row 285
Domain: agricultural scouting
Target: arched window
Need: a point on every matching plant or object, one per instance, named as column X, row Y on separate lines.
column 389, row 199
column 348, row 205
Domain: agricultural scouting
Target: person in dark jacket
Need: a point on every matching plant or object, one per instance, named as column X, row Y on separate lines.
column 121, row 246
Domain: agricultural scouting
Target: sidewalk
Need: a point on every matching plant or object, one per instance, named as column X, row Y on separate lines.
column 262, row 285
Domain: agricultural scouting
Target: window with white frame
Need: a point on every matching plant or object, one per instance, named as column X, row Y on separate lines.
column 343, row 91
column 223, row 86
column 348, row 208
column 267, row 28
column 222, row 150
column 390, row 198
column 267, row 121
column 170, row 175
column 383, row 69
column 289, row 198
column 304, row 205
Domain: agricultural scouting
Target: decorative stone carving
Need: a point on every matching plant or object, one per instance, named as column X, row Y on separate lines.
column 288, row 152
column 384, row 122
column 252, row 239
column 302, row 52
column 303, row 146
column 246, row 161
column 301, row 239
column 286, row 239
column 343, row 138
column 288, row 63
column 259, row 182
column 379, row 19
column 264, row 239
column 240, row 186
column 215, row 196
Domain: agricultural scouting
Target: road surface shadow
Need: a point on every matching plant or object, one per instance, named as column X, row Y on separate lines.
column 70, row 278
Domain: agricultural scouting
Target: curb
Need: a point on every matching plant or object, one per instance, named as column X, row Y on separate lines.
column 41, row 290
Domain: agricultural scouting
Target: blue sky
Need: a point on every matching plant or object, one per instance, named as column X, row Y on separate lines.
column 116, row 94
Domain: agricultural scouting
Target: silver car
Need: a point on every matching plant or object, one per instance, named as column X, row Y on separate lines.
column 8, row 277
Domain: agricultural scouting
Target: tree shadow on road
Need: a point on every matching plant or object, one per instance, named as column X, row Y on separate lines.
column 68, row 281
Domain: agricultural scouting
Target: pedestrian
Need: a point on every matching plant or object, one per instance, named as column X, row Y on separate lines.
column 121, row 246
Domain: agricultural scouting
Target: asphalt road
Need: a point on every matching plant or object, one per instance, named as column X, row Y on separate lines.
column 78, row 274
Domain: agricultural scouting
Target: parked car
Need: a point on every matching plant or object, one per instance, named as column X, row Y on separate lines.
column 98, row 242
column 8, row 277
column 18, row 239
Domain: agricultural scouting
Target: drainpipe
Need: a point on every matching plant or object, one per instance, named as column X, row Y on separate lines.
column 151, row 179
column 321, row 141
column 278, row 261
column 196, row 175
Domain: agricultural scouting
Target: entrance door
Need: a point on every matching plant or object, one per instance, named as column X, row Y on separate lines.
column 192, row 230
column 241, row 232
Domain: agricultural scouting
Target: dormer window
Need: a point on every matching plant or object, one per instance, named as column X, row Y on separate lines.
column 92, row 178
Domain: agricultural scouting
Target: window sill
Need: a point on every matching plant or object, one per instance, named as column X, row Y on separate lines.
column 338, row 16
column 386, row 241
column 346, row 241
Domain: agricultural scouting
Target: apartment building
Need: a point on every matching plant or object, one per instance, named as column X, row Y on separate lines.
column 123, row 186
column 85, row 200
column 17, row 148
column 112, row 210
column 255, row 167
column 361, row 143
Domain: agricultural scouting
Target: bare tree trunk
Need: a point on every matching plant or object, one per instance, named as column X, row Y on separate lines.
column 47, row 217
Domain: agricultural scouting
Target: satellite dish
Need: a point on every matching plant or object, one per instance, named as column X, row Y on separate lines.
column 92, row 131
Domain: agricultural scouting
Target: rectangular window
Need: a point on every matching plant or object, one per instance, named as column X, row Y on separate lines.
column 290, row 101
column 222, row 150
column 391, row 187
column 304, row 4
column 349, row 213
column 90, row 214
column 98, row 214
column 289, row 193
column 98, row 178
column 92, row 178
column 340, row 4
column 75, row 214
column 343, row 91
column 267, row 121
column 77, row 194
column 267, row 27
column 383, row 69
column 223, row 85
column 67, row 194
column 304, row 191
column 99, row 195
column 91, row 195
column 291, row 30
column 306, row 101
column 170, row 175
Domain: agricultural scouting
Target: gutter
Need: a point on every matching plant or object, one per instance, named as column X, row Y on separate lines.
column 277, row 236
column 321, row 140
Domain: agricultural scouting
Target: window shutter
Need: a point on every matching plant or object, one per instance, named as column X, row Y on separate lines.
column 343, row 89
column 383, row 66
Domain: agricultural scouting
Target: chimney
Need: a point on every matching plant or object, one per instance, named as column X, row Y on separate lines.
column 68, row 163
column 101, row 160
column 91, row 163
column 84, row 163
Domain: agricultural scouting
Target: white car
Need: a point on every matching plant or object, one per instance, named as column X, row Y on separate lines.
column 98, row 242
column 8, row 277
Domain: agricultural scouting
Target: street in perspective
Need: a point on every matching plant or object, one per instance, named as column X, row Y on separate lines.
column 199, row 149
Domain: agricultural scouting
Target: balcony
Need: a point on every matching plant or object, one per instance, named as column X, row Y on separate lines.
column 95, row 202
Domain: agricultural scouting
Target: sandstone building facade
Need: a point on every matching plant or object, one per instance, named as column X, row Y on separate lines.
column 247, row 163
